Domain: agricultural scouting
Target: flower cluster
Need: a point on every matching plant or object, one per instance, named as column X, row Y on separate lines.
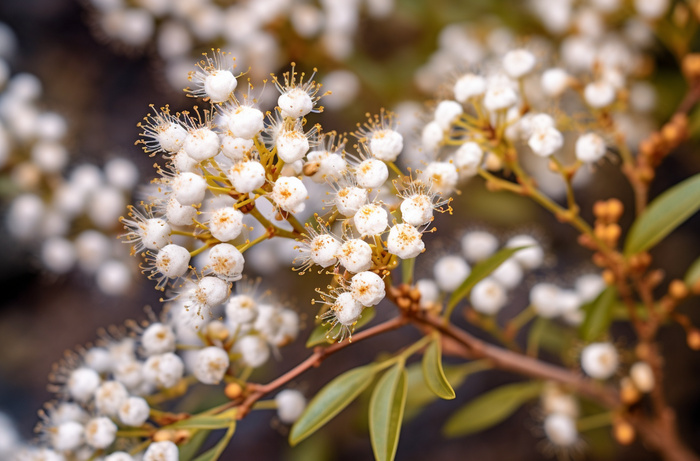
column 571, row 110
column 251, row 30
column 233, row 171
column 108, row 394
column 66, row 215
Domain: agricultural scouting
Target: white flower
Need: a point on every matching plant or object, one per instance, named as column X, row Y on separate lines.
column 450, row 271
column 560, row 429
column 469, row 86
column 100, row 432
column 164, row 370
column 162, row 451
column 210, row 365
column 346, row 309
column 355, row 255
column 386, row 145
column 172, row 261
column 247, row 176
column 432, row 136
column 599, row 94
column 109, row 397
column 225, row 224
column 295, row 103
column 468, row 159
column 253, row 349
column 290, row 405
column 555, row 81
column 226, row 261
column 544, row 298
column 447, row 112
column 178, row 214
column 405, row 241
column 599, row 360
column 219, row 85
column 208, row 292
column 509, row 274
column 417, row 210
column 478, row 245
column 245, row 122
column 371, row 173
column 590, row 148
column 349, row 199
column 134, row 411
column 531, row 257
column 518, row 63
column 235, row 148
column 371, row 219
column 442, row 177
column 429, row 292
column 189, row 188
column 499, row 96
column 66, row 436
column 289, row 193
column 488, row 296
column 58, row 255
column 158, row 339
column 82, row 384
column 292, row 145
column 589, row 286
column 367, row 288
column 201, row 144
column 544, row 142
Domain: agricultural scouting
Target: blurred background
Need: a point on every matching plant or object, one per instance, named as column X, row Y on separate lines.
column 101, row 71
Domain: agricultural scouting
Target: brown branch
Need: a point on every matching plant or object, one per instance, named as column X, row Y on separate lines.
column 314, row 360
column 522, row 364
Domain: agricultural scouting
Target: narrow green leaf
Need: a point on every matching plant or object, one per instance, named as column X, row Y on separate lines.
column 666, row 212
column 320, row 334
column 479, row 272
column 190, row 449
column 386, row 412
column 420, row 395
column 330, row 401
column 693, row 274
column 206, row 421
column 214, row 453
column 490, row 408
column 599, row 315
column 433, row 373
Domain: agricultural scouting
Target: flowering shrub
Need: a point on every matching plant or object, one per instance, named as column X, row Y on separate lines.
column 235, row 174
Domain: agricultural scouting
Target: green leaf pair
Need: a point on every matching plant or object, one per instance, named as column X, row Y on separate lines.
column 491, row 408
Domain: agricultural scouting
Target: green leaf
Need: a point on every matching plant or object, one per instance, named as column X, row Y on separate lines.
column 433, row 373
column 693, row 274
column 320, row 334
column 206, row 421
column 330, row 401
column 668, row 211
column 386, row 412
column 190, row 449
column 599, row 315
column 214, row 453
column 490, row 408
column 479, row 272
